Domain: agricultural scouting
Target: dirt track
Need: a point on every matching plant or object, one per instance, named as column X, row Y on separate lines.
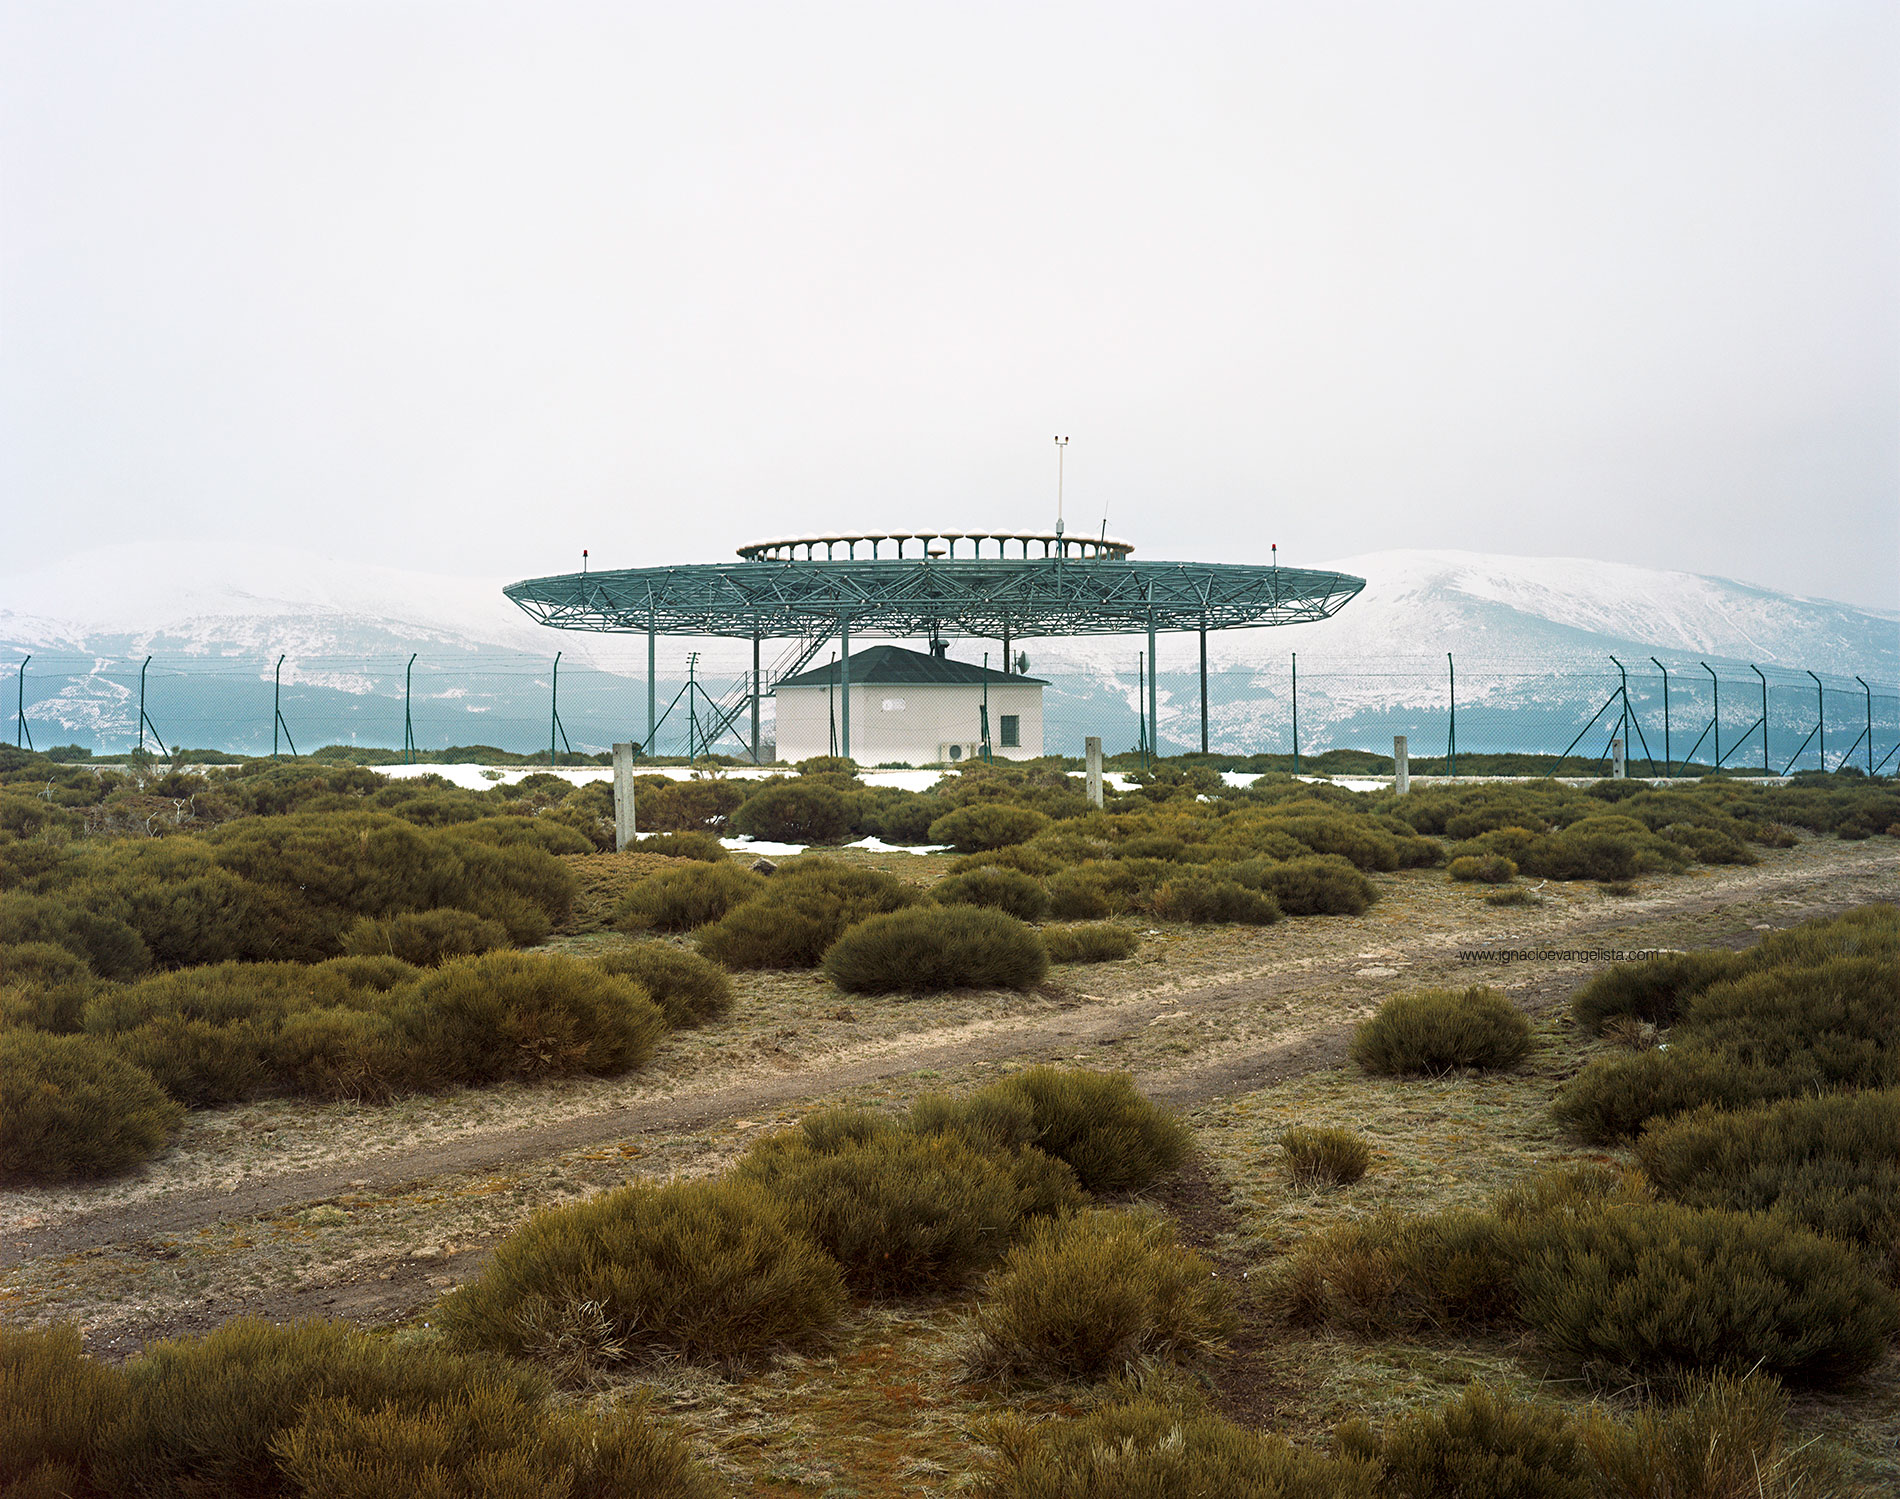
column 1292, row 1026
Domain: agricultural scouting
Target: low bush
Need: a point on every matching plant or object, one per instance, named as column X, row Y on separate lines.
column 1652, row 989
column 899, row 1211
column 1486, row 869
column 508, row 1015
column 1513, row 895
column 688, row 988
column 979, row 826
column 1485, row 1445
column 1435, row 1030
column 796, row 811
column 1095, row 943
column 1202, row 898
column 1024, row 857
column 112, row 948
column 1825, row 1025
column 1400, row 1273
column 1148, row 1450
column 339, row 1054
column 709, row 1269
column 926, row 949
column 1332, row 1157
column 1009, row 890
column 1089, row 1295
column 1074, row 896
column 1613, row 1097
column 203, row 1066
column 44, row 986
column 705, row 847
column 318, row 1409
column 677, row 900
column 55, row 1407
column 805, row 908
column 1657, row 1291
column 424, row 938
column 1830, row 1164
column 1318, row 885
column 1114, row 1138
column 1001, row 1125
column 71, row 1108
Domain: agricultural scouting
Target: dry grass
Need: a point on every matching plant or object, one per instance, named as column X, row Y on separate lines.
column 604, row 880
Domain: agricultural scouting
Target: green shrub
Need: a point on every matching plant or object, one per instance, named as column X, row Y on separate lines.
column 1708, row 845
column 688, row 988
column 806, row 906
column 1094, row 1294
column 1613, row 1097
column 1487, row 869
column 423, row 938
column 508, row 1014
column 800, row 811
column 1659, row 1291
column 319, row 1410
column 1008, row 890
column 1830, row 1164
column 1513, row 895
column 547, row 834
column 337, row 1053
column 1002, row 1126
column 1074, row 896
column 1721, row 1439
column 55, row 1406
column 1148, row 1450
column 1319, row 885
column 1023, row 857
column 1435, row 1030
column 1485, row 1445
column 112, row 948
column 1354, row 839
column 926, row 949
column 1334, row 1157
column 899, row 1211
column 979, row 826
column 43, row 986
column 203, row 1066
column 704, row 847
column 1115, row 1139
column 1399, row 1273
column 677, row 900
column 1097, row 943
column 1651, row 989
column 708, row 1269
column 1208, row 898
column 1825, row 1025
column 70, row 1108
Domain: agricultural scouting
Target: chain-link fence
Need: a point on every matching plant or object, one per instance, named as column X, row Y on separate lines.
column 1671, row 714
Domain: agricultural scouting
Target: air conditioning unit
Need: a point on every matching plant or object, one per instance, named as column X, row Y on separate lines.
column 954, row 751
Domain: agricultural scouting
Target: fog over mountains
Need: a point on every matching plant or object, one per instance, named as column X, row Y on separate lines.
column 1531, row 639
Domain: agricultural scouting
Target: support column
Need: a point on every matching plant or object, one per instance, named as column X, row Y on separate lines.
column 1154, row 697
column 1092, row 753
column 625, row 830
column 844, row 690
column 653, row 716
column 1009, row 659
column 1203, row 688
column 755, row 695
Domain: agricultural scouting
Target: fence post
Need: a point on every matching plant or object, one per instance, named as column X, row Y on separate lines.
column 652, row 689
column 1617, row 771
column 1764, row 716
column 144, row 721
column 1451, row 741
column 1870, row 723
column 277, row 719
column 1203, row 686
column 1154, row 695
column 1092, row 752
column 1820, row 716
column 408, row 723
column 1296, row 712
column 19, row 716
column 1665, row 671
column 1715, row 713
column 625, row 830
column 554, row 709
column 844, row 689
column 1401, row 766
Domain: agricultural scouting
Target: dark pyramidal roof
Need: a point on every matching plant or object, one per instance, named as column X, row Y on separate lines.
column 893, row 666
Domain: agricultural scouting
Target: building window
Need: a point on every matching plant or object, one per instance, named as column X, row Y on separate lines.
column 1012, row 731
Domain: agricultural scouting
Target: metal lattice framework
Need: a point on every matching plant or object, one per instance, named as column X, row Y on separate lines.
column 1052, row 586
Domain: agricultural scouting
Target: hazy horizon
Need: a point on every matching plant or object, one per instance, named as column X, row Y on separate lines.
column 466, row 289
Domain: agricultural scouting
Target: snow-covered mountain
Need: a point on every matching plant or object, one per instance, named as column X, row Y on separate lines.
column 1531, row 639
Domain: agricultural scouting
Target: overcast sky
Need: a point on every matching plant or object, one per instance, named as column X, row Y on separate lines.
column 471, row 286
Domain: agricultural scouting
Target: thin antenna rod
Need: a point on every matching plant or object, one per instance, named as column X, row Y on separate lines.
column 1061, row 444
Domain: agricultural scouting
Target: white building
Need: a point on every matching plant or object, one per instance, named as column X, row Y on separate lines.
column 910, row 707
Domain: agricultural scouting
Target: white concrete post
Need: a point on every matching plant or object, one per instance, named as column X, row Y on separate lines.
column 1616, row 758
column 624, row 831
column 1401, row 766
column 1092, row 748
